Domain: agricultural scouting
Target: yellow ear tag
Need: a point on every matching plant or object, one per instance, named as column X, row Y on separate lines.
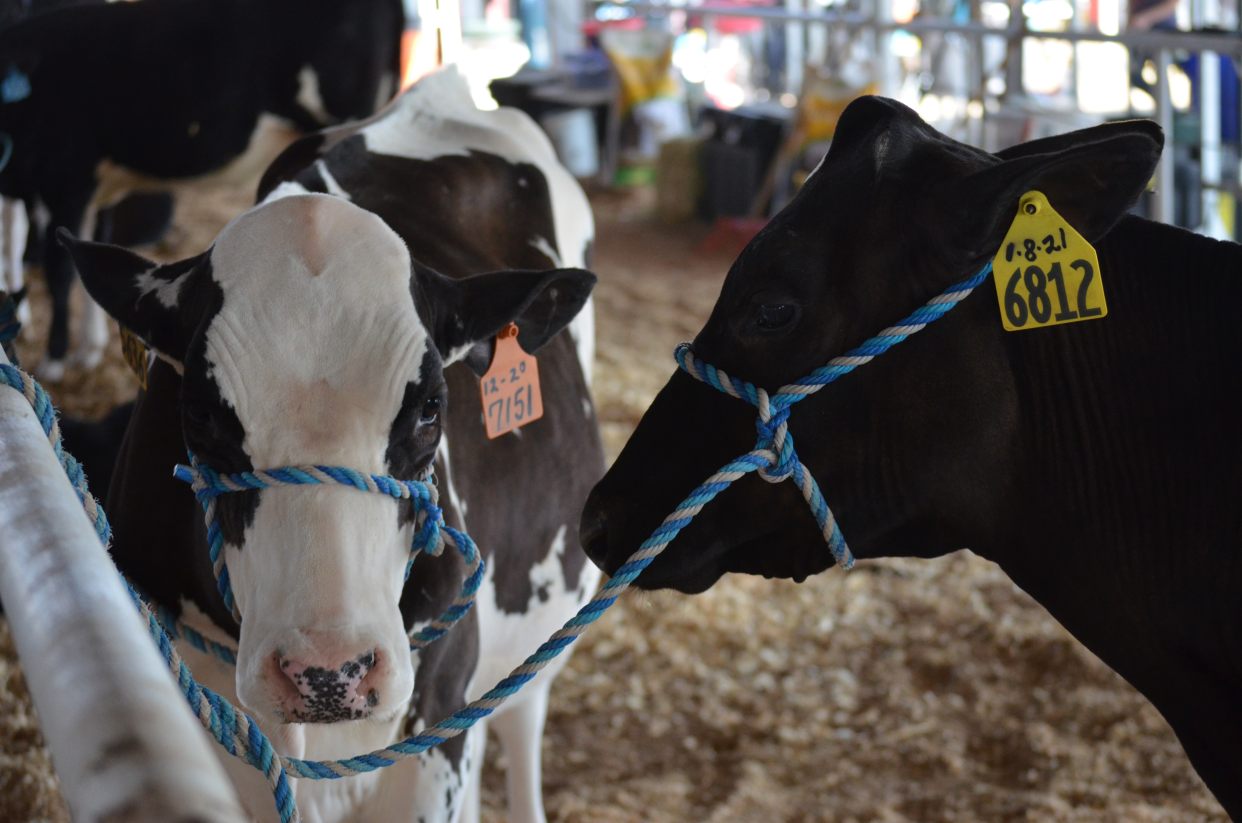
column 1045, row 272
column 510, row 389
column 137, row 355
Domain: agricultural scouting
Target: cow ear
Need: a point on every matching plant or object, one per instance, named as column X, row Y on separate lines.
column 467, row 314
column 145, row 297
column 1091, row 177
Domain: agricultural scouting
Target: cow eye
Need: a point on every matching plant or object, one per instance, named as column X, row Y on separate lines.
column 431, row 410
column 774, row 317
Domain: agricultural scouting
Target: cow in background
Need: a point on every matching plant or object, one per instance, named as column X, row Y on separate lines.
column 346, row 320
column 100, row 100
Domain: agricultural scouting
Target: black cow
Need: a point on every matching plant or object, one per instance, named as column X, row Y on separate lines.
column 1096, row 462
column 98, row 99
column 313, row 331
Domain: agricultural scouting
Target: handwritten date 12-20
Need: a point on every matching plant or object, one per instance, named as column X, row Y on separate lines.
column 510, row 388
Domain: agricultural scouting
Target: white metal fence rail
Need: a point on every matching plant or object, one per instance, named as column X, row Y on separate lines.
column 124, row 742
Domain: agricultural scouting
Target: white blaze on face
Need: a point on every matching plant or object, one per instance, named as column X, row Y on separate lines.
column 313, row 346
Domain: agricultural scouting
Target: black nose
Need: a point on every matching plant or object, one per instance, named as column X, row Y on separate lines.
column 593, row 535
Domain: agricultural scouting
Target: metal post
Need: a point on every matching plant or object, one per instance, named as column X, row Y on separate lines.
column 1207, row 14
column 1209, row 143
column 795, row 57
column 887, row 72
column 124, row 742
column 1165, row 197
column 1013, row 58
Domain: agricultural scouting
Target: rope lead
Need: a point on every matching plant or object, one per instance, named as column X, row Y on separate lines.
column 773, row 457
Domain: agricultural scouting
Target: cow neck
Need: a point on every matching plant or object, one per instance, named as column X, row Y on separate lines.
column 774, row 456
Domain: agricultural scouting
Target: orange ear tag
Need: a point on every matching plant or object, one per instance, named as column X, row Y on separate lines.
column 510, row 389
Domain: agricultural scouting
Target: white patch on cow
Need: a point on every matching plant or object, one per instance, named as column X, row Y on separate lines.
column 92, row 332
column 14, row 229
column 442, row 456
column 309, row 97
column 586, row 406
column 582, row 330
column 287, row 188
column 457, row 353
column 329, row 182
column 167, row 292
column 436, row 117
column 423, row 791
column 545, row 248
column 505, row 640
column 315, row 340
column 508, row 638
column 384, row 90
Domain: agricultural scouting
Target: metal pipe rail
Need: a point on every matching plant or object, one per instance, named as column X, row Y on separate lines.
column 1160, row 43
column 1222, row 42
column 125, row 744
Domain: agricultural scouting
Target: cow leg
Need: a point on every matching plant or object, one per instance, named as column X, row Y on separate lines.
column 14, row 228
column 93, row 322
column 472, row 802
column 521, row 732
column 58, row 273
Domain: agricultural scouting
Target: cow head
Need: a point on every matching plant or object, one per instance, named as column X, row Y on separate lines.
column 910, row 449
column 306, row 335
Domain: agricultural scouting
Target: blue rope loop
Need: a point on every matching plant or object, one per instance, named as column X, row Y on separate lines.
column 784, row 463
column 429, row 537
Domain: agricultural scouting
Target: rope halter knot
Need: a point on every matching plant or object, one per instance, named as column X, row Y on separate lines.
column 774, row 457
column 431, row 533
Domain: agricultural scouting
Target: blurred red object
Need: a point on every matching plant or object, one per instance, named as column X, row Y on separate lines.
column 731, row 234
column 738, row 25
column 593, row 27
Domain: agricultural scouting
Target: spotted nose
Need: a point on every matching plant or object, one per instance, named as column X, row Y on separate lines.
column 321, row 694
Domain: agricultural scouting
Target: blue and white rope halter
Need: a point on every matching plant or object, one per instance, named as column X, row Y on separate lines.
column 773, row 456
column 430, row 534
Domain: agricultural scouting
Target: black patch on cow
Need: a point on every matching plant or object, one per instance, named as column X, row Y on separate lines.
column 299, row 156
column 314, row 183
column 95, row 443
column 159, row 539
column 212, row 430
column 415, row 431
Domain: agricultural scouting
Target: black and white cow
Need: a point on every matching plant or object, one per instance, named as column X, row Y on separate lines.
column 328, row 329
column 98, row 100
column 1096, row 462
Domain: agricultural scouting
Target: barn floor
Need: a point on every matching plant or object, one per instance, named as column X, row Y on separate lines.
column 905, row 690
